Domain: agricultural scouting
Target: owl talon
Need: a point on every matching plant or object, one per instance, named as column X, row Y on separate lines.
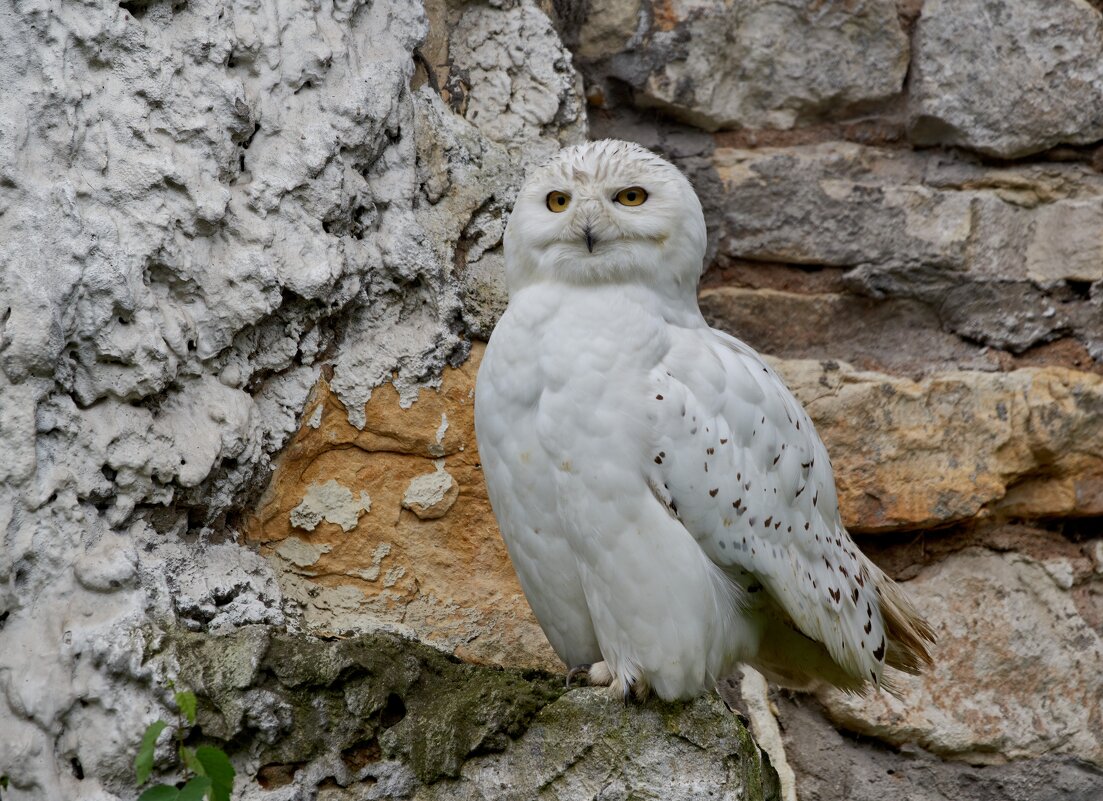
column 576, row 671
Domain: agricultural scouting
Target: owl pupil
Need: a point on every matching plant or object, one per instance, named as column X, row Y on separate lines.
column 560, row 200
column 631, row 196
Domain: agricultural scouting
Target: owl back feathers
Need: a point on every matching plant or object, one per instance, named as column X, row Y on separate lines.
column 740, row 464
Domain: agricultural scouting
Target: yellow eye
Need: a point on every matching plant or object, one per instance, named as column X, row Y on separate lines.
column 558, row 201
column 632, row 196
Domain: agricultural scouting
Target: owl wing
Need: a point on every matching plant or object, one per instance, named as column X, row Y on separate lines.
column 739, row 463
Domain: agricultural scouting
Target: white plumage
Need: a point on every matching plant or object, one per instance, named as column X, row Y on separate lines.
column 665, row 500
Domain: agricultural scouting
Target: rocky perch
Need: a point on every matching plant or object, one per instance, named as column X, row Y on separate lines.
column 379, row 716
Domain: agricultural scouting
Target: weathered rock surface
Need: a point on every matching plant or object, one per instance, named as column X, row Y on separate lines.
column 958, row 445
column 1001, row 257
column 1009, row 636
column 832, row 765
column 444, row 578
column 1007, row 78
column 377, row 716
column 200, row 206
column 749, row 63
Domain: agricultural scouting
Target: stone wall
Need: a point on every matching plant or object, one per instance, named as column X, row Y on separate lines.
column 248, row 254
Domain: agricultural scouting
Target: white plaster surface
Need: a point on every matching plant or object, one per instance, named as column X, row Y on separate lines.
column 200, row 204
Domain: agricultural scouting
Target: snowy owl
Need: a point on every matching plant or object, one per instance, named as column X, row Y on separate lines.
column 666, row 502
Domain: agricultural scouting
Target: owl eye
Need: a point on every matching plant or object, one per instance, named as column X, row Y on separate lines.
column 632, row 196
column 558, row 201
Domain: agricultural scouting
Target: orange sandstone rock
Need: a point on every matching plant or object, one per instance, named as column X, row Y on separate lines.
column 390, row 525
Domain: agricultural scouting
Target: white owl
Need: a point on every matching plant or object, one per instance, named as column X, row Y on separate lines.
column 664, row 498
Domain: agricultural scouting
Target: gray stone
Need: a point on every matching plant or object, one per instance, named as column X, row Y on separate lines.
column 832, row 766
column 754, row 63
column 994, row 251
column 1018, row 670
column 898, row 336
column 1007, row 77
column 357, row 713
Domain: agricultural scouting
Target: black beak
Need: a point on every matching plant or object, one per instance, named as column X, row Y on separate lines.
column 589, row 240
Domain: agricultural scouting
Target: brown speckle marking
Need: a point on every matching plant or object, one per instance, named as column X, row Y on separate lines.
column 710, row 451
column 658, row 397
column 800, row 490
column 712, row 492
column 879, row 654
column 723, row 441
column 777, row 525
column 769, row 520
column 835, row 596
column 806, row 526
column 776, row 458
column 658, row 460
column 737, row 503
column 868, row 626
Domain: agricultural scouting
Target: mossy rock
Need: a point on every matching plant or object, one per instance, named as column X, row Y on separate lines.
column 381, row 710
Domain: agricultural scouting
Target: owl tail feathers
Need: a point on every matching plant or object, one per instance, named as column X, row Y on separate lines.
column 909, row 635
column 789, row 658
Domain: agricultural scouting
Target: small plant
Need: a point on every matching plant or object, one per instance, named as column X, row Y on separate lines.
column 207, row 770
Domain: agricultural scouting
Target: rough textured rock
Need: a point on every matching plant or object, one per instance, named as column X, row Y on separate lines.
column 958, row 445
column 1000, row 256
column 1008, row 78
column 201, row 206
column 833, row 765
column 444, row 578
column 749, row 63
column 377, row 716
column 1009, row 635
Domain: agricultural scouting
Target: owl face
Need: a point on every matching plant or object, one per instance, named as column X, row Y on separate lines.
column 605, row 212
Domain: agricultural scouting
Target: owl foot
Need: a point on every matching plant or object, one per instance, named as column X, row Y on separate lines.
column 629, row 691
column 576, row 671
column 595, row 675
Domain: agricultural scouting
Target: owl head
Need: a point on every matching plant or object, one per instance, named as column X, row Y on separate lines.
column 606, row 212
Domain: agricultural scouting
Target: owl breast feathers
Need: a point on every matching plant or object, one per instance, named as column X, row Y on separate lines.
column 666, row 502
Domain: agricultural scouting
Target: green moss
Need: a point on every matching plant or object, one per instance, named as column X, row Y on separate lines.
column 424, row 708
column 287, row 699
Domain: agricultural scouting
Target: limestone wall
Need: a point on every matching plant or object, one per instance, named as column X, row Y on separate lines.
column 248, row 255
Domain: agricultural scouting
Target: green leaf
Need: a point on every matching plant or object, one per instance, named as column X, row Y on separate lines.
column 143, row 763
column 218, row 769
column 160, row 792
column 191, row 761
column 194, row 789
column 186, row 701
